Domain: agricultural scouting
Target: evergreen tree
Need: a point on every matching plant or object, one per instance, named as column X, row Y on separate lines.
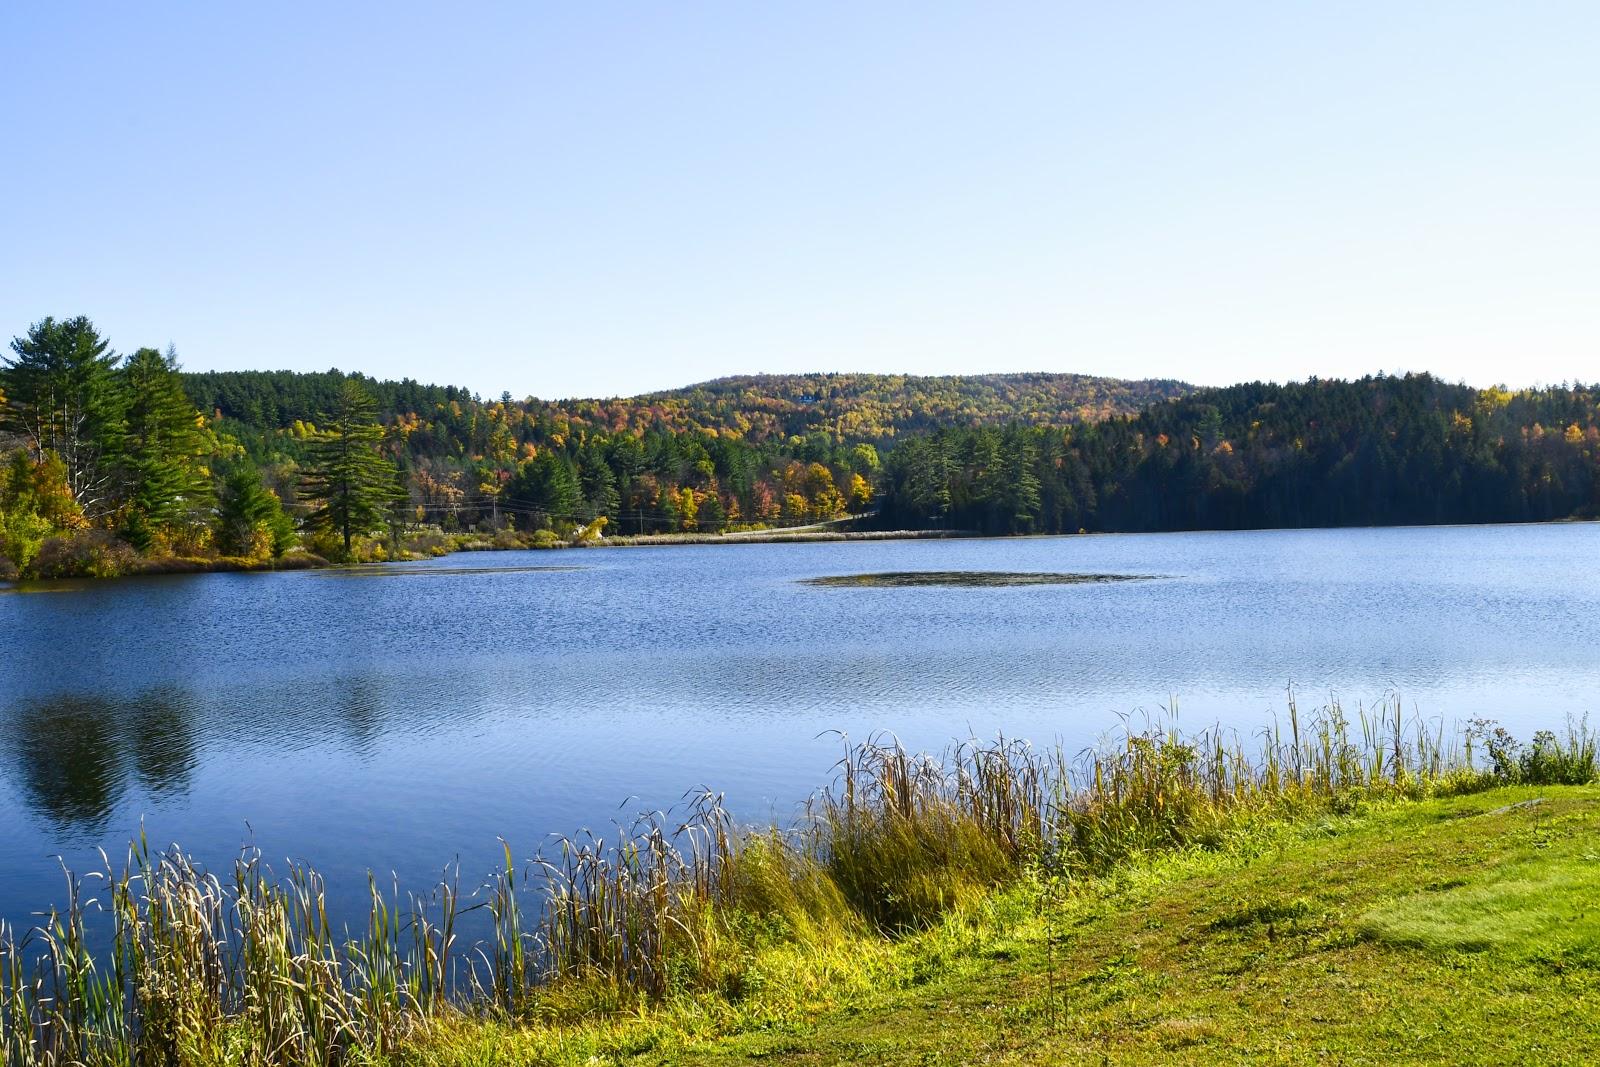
column 250, row 517
column 925, row 463
column 347, row 476
column 165, row 447
column 713, row 515
column 1020, row 493
column 62, row 398
column 599, row 486
column 548, row 486
column 667, row 509
column 986, row 482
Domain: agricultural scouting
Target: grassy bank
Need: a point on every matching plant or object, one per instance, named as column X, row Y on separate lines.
column 999, row 902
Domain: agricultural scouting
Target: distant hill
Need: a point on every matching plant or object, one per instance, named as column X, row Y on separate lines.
column 758, row 407
column 878, row 407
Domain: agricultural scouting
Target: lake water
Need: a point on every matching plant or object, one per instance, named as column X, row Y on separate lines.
column 397, row 718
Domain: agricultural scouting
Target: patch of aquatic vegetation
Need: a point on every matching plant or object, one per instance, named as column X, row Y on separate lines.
column 404, row 571
column 972, row 579
column 33, row 588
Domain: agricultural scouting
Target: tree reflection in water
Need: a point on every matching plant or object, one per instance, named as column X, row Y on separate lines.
column 75, row 755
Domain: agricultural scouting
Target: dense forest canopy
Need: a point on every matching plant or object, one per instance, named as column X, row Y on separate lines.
column 1382, row 450
column 107, row 457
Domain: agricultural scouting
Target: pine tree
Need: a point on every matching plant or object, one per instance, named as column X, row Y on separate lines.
column 1021, row 491
column 347, row 477
column 928, row 471
column 250, row 518
column 713, row 516
column 548, row 486
column 667, row 509
column 599, row 486
column 62, row 397
column 165, row 447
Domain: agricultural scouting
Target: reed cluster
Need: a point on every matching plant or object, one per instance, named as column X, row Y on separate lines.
column 162, row 962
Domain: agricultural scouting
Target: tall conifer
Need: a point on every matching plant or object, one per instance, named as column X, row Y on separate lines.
column 165, row 447
column 348, row 477
column 62, row 397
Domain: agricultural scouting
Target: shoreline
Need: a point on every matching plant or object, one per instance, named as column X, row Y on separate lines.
column 776, row 537
column 301, row 560
column 160, row 566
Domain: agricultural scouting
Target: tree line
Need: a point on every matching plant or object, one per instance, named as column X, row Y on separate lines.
column 758, row 450
column 1382, row 450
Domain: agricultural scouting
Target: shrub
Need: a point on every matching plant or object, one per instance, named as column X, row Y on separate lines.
column 327, row 544
column 1548, row 760
column 299, row 561
column 22, row 534
column 84, row 554
column 427, row 543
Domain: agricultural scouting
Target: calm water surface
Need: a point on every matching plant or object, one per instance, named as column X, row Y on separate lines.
column 397, row 718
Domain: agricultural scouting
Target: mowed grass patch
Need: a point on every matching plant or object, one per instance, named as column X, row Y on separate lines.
column 1541, row 902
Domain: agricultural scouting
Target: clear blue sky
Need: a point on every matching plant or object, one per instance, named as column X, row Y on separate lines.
column 598, row 198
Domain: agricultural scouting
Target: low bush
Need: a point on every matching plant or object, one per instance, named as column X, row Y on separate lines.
column 1548, row 760
column 299, row 561
column 84, row 554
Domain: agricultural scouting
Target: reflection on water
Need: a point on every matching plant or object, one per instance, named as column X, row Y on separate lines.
column 408, row 570
column 397, row 725
column 360, row 713
column 75, row 755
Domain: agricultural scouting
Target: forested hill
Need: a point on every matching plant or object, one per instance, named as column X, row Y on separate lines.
column 879, row 407
column 873, row 408
column 997, row 454
column 762, row 450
